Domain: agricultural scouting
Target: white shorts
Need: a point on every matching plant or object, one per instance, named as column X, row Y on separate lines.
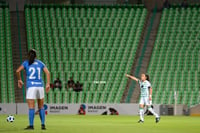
column 145, row 101
column 35, row 93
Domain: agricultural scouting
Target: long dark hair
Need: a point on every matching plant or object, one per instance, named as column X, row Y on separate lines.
column 31, row 56
column 147, row 77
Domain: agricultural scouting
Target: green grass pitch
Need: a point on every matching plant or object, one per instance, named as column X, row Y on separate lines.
column 103, row 124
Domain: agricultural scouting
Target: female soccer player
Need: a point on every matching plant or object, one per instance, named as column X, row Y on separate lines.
column 34, row 85
column 145, row 96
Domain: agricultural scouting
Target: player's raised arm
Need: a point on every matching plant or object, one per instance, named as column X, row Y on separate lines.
column 46, row 71
column 19, row 79
column 132, row 77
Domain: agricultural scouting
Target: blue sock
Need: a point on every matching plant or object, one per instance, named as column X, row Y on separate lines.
column 31, row 116
column 42, row 115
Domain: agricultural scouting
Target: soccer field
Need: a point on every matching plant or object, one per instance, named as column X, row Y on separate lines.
column 103, row 124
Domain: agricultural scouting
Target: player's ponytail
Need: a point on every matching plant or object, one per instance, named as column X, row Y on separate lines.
column 31, row 56
column 147, row 77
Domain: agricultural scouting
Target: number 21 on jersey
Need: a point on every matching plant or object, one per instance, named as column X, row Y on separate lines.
column 34, row 73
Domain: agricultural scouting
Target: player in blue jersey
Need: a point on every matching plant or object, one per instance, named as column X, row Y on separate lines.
column 35, row 86
column 145, row 96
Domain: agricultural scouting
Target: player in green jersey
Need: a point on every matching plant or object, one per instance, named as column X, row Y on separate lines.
column 145, row 96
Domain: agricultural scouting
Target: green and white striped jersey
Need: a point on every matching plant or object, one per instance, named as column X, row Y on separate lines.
column 144, row 88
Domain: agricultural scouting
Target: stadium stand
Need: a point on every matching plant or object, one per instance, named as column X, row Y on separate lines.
column 96, row 45
column 6, row 71
column 174, row 64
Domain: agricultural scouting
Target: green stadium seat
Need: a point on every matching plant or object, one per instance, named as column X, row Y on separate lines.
column 87, row 43
column 6, row 71
column 174, row 56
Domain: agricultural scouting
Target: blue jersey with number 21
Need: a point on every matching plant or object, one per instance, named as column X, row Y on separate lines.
column 34, row 73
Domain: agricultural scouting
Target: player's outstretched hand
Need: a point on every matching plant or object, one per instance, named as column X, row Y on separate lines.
column 150, row 99
column 127, row 75
column 47, row 88
column 20, row 83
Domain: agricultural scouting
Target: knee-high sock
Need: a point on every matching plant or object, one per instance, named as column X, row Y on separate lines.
column 31, row 116
column 153, row 112
column 141, row 114
column 42, row 115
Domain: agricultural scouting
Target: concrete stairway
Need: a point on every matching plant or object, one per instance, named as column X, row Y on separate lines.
column 148, row 52
column 16, row 48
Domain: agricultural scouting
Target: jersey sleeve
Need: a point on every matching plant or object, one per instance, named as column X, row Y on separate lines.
column 139, row 82
column 24, row 64
column 42, row 65
column 148, row 85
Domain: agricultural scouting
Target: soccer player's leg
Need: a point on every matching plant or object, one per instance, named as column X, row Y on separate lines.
column 41, row 107
column 141, row 111
column 31, row 106
column 153, row 112
column 30, row 96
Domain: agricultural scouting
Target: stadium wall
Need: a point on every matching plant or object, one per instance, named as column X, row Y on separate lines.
column 90, row 109
column 195, row 111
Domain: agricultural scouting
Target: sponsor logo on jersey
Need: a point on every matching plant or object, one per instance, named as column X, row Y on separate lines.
column 36, row 83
